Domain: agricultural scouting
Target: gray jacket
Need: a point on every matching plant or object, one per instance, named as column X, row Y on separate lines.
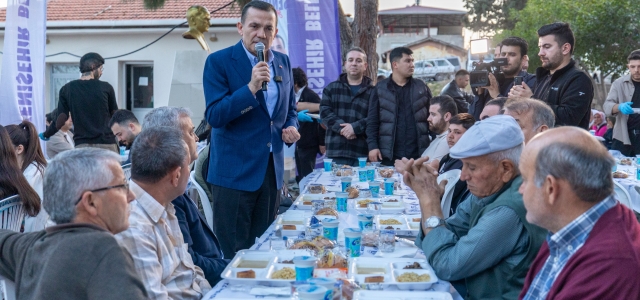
column 383, row 112
column 621, row 91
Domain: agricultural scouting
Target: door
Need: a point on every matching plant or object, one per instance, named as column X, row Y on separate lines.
column 139, row 89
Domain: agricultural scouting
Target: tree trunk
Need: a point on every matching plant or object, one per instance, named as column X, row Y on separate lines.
column 346, row 34
column 366, row 33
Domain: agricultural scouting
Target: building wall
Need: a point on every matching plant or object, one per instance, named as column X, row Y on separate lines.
column 387, row 42
column 435, row 50
column 112, row 42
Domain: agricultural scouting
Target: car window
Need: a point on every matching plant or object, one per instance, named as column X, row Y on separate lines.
column 442, row 63
column 454, row 61
column 419, row 64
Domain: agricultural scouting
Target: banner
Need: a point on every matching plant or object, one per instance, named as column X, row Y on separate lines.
column 22, row 77
column 309, row 32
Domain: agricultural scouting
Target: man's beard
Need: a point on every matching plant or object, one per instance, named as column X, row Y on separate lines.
column 514, row 72
column 438, row 128
column 553, row 62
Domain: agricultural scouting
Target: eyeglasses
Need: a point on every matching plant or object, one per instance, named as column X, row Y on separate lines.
column 124, row 186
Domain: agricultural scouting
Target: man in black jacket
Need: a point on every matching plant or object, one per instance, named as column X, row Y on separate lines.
column 455, row 90
column 311, row 132
column 344, row 108
column 397, row 124
column 514, row 49
column 560, row 83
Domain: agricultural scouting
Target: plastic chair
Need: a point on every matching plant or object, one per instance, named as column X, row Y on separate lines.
column 622, row 195
column 452, row 177
column 8, row 288
column 127, row 171
column 11, row 213
column 206, row 205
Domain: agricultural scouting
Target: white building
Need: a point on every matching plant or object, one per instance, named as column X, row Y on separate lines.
column 142, row 80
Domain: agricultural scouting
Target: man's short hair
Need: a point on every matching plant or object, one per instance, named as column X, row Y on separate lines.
column 396, row 53
column 90, row 61
column 587, row 171
column 499, row 101
column 123, row 117
column 63, row 187
column 156, row 152
column 516, row 41
column 261, row 5
column 299, row 77
column 542, row 114
column 165, row 116
column 464, row 119
column 561, row 31
column 634, row 55
column 447, row 105
column 462, row 72
column 357, row 49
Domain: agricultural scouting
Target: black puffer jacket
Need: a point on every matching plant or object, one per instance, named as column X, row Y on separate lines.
column 383, row 112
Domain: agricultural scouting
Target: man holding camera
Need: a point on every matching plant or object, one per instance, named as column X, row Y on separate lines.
column 514, row 49
column 560, row 83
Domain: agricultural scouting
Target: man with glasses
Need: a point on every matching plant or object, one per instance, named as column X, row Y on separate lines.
column 159, row 174
column 91, row 102
column 79, row 258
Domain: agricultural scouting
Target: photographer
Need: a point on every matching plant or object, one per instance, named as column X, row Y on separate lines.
column 514, row 49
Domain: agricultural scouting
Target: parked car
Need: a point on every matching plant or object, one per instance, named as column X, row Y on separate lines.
column 425, row 70
column 383, row 72
column 444, row 69
column 455, row 61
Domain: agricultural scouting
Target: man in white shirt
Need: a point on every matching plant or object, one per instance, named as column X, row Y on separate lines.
column 62, row 140
column 441, row 110
column 159, row 174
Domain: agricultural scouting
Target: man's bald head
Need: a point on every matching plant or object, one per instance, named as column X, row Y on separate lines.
column 565, row 172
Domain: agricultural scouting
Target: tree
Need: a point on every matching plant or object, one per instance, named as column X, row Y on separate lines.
column 491, row 16
column 606, row 31
column 366, row 33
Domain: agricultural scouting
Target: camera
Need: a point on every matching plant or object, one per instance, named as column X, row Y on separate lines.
column 479, row 77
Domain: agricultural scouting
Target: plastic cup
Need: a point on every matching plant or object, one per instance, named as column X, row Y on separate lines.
column 311, row 292
column 374, row 207
column 331, row 229
column 352, row 239
column 638, row 159
column 362, row 174
column 122, row 149
column 341, row 201
column 277, row 243
column 304, row 268
column 388, row 186
column 364, row 193
column 317, row 205
column 327, row 283
column 346, row 183
column 327, row 164
column 387, row 241
column 592, row 132
column 371, row 173
column 374, row 186
column 314, row 230
column 365, row 221
column 362, row 162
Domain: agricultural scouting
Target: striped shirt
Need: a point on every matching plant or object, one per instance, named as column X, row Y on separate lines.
column 563, row 244
column 159, row 252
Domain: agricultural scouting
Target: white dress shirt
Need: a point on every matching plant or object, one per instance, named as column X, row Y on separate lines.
column 159, row 252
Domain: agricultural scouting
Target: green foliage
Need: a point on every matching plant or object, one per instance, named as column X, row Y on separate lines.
column 606, row 31
column 490, row 16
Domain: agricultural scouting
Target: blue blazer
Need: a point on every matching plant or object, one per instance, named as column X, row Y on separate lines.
column 242, row 130
column 203, row 243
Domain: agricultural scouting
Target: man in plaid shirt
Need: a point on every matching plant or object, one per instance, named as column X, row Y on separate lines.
column 344, row 108
column 593, row 246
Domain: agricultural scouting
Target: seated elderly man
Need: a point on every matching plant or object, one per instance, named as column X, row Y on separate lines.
column 486, row 247
column 160, row 173
column 533, row 116
column 79, row 258
column 203, row 244
column 493, row 108
column 592, row 249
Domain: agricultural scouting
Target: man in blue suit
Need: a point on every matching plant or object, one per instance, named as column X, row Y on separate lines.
column 249, row 125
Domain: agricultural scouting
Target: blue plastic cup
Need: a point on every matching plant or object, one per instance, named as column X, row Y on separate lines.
column 331, row 229
column 362, row 174
column 388, row 186
column 374, row 186
column 362, row 162
column 327, row 164
column 304, row 267
column 365, row 221
column 346, row 183
column 352, row 239
column 341, row 201
column 371, row 173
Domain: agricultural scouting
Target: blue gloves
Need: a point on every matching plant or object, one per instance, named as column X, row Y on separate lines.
column 41, row 135
column 302, row 116
column 625, row 108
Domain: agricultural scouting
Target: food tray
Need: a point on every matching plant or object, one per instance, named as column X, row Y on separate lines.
column 390, row 269
column 265, row 262
column 297, row 218
column 400, row 295
column 388, row 207
column 407, row 226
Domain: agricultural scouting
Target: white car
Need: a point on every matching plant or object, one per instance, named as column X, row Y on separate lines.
column 384, row 72
column 444, row 69
column 425, row 70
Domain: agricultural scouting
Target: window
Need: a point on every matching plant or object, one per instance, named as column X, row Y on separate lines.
column 61, row 74
column 139, row 86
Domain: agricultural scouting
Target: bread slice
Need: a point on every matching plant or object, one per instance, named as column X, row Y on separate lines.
column 289, row 227
column 246, row 274
column 374, row 279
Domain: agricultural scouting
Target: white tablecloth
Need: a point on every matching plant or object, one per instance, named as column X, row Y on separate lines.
column 225, row 290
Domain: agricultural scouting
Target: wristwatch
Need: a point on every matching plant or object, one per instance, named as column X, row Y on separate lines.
column 433, row 222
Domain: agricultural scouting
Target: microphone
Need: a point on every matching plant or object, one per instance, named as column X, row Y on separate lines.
column 260, row 51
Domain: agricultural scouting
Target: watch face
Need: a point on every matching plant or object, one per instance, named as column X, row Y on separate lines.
column 433, row 221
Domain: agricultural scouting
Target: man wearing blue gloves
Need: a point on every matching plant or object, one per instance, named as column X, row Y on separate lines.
column 311, row 131
column 623, row 99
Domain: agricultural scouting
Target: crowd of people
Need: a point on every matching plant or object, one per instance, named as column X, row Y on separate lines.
column 533, row 215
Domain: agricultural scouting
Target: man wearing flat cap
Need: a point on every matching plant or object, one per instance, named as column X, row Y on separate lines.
column 486, row 247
